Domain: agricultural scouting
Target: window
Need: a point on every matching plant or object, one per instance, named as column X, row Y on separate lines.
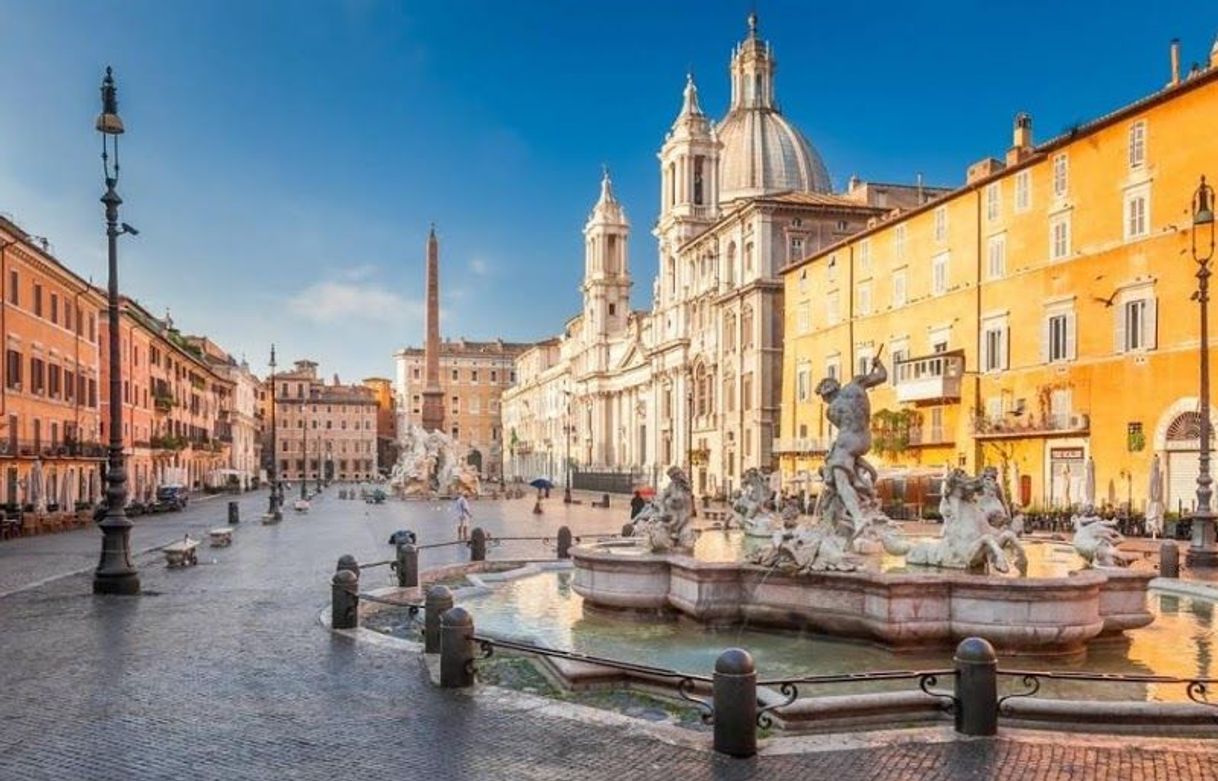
column 833, row 367
column 803, row 382
column 698, row 166
column 38, row 299
column 55, row 308
column 54, row 377
column 899, row 294
column 475, row 406
column 746, row 327
column 864, row 298
column 1136, row 324
column 941, row 223
column 1137, row 208
column 1137, row 144
column 832, row 314
column 455, row 374
column 996, row 253
column 938, row 283
column 898, row 241
column 746, row 391
column 473, row 374
column 796, row 251
column 729, row 394
column 995, row 345
column 803, row 317
column 832, row 268
column 729, row 332
column 37, row 376
column 843, row 226
column 748, row 257
column 1059, row 237
column 865, row 256
column 1061, row 175
column 1060, row 336
column 612, row 312
column 414, row 373
column 993, row 201
column 12, row 369
column 456, row 405
column 14, row 288
column 803, row 281
column 1023, row 190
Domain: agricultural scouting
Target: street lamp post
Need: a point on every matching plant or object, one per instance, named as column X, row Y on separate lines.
column 568, row 430
column 1203, row 551
column 304, row 444
column 115, row 572
column 273, row 507
column 689, row 439
column 319, row 463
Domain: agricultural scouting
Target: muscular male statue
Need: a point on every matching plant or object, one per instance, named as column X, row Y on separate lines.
column 849, row 410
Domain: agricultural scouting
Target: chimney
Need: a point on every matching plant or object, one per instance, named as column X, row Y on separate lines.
column 1175, row 62
column 1021, row 139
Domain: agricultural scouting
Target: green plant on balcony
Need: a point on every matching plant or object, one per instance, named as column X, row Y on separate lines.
column 168, row 442
column 891, row 430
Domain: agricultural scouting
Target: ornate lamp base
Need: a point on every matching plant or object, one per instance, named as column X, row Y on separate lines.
column 1203, row 551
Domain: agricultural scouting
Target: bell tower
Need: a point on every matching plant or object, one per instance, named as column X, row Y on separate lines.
column 607, row 282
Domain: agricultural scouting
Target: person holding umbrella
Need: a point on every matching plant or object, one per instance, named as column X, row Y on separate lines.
column 543, row 486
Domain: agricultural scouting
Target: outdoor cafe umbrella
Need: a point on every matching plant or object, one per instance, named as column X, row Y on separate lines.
column 1089, row 483
column 1154, row 499
column 65, row 487
column 38, row 488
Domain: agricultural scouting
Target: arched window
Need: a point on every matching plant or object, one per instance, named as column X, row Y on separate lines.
column 1185, row 431
column 702, row 391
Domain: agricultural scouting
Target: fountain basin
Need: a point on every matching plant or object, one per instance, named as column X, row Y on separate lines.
column 935, row 608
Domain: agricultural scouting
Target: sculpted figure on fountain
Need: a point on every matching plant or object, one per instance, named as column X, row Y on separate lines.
column 430, row 464
column 753, row 510
column 976, row 533
column 1096, row 540
column 664, row 523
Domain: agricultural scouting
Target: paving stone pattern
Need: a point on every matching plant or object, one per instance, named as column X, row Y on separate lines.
column 221, row 671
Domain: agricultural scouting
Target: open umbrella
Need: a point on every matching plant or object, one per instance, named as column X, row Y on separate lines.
column 64, row 487
column 542, row 483
column 1154, row 499
column 646, row 491
column 1089, row 483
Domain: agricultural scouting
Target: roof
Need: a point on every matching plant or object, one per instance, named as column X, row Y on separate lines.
column 464, row 347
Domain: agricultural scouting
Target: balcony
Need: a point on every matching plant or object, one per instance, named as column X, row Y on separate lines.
column 800, row 447
column 48, row 450
column 1019, row 427
column 930, row 378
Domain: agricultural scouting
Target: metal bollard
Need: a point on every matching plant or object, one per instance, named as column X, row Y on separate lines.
column 234, row 514
column 735, row 701
column 477, row 544
column 407, row 565
column 439, row 601
column 456, row 649
column 1169, row 560
column 605, row 500
column 344, row 600
column 347, row 562
column 976, row 687
column 564, row 542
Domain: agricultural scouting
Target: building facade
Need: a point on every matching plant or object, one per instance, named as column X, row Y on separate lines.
column 325, row 431
column 386, row 421
column 238, row 426
column 49, row 397
column 1036, row 317
column 473, row 376
column 696, row 380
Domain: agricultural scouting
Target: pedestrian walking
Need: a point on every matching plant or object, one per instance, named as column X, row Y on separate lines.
column 463, row 516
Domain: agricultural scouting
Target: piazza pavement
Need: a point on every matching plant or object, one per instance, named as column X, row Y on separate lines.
column 223, row 671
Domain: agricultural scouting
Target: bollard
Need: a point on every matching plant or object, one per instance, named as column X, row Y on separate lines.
column 344, row 600
column 234, row 514
column 477, row 544
column 735, row 703
column 564, row 542
column 976, row 687
column 456, row 649
column 347, row 562
column 407, row 565
column 439, row 601
column 628, row 530
column 1169, row 560
column 605, row 500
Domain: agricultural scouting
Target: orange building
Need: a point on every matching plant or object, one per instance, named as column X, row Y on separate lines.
column 386, row 421
column 49, row 405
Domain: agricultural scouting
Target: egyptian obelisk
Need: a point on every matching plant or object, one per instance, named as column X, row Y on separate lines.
column 433, row 394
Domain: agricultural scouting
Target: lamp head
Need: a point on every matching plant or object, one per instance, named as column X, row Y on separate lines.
column 108, row 121
column 1203, row 205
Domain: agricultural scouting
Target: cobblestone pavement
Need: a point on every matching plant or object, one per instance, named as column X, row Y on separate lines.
column 221, row 671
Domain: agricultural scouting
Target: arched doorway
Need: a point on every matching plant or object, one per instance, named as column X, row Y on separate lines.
column 1182, row 441
column 474, row 459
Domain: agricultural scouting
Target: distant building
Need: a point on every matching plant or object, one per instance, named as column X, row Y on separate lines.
column 322, row 429
column 386, row 422
column 473, row 376
column 238, row 424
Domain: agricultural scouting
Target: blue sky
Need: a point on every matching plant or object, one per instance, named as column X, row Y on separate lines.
column 283, row 159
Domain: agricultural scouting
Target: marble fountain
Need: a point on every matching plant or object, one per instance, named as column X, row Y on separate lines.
column 850, row 572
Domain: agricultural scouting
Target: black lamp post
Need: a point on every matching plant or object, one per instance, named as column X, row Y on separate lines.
column 273, row 507
column 319, row 463
column 304, row 444
column 568, row 431
column 1203, row 551
column 115, row 572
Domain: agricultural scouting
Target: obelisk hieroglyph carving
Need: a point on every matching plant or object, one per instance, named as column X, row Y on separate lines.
column 433, row 394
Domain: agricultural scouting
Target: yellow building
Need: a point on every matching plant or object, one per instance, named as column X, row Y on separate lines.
column 1037, row 316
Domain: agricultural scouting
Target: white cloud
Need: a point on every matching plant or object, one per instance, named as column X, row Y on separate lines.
column 357, row 273
column 479, row 267
column 330, row 302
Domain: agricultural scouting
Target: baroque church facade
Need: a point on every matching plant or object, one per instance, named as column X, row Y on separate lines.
column 695, row 381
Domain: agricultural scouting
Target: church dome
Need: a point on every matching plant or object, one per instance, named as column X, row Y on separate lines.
column 761, row 151
column 764, row 153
